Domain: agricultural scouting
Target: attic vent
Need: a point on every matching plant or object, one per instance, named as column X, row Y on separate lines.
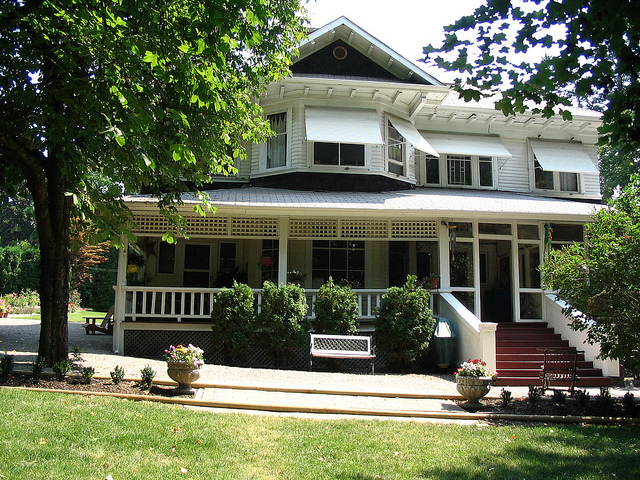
column 254, row 227
column 340, row 53
column 414, row 229
column 363, row 229
column 313, row 228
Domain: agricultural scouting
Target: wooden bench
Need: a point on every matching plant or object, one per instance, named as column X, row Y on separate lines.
column 105, row 327
column 560, row 366
column 341, row 347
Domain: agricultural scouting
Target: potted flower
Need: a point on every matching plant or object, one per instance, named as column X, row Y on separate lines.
column 434, row 281
column 473, row 381
column 183, row 366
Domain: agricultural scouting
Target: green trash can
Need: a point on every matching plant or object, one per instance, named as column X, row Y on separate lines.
column 443, row 343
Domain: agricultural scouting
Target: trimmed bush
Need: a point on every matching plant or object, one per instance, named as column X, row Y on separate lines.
column 404, row 324
column 336, row 309
column 233, row 320
column 20, row 268
column 283, row 320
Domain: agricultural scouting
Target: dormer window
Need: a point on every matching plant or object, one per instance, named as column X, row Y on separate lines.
column 396, row 150
column 277, row 145
column 549, row 180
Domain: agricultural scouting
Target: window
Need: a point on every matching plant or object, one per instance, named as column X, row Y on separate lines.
column 166, row 257
column 277, row 146
column 396, row 150
column 342, row 260
column 550, row 180
column 347, row 154
column 459, row 170
column 433, row 171
column 269, row 260
column 486, row 171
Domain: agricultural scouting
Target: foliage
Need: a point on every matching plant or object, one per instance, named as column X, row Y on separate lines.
column 587, row 50
column 106, row 98
column 232, row 316
column 535, row 394
column 16, row 220
column 20, row 267
column 62, row 368
column 475, row 368
column 628, row 402
column 86, row 256
column 599, row 280
column 505, row 397
column 299, row 278
column 99, row 294
column 6, row 364
column 582, row 397
column 559, row 397
column 23, row 303
column 283, row 319
column 182, row 354
column 404, row 323
column 604, row 398
column 147, row 374
column 36, row 368
column 617, row 168
column 4, row 306
column 117, row 375
column 336, row 309
column 86, row 375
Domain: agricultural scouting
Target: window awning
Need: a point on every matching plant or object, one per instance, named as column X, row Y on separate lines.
column 467, row 145
column 343, row 126
column 562, row 156
column 408, row 131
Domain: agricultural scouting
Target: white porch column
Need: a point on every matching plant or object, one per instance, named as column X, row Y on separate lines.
column 283, row 250
column 443, row 254
column 121, row 283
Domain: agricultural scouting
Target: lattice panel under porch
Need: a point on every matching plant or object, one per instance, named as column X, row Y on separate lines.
column 313, row 228
column 254, row 227
column 364, row 229
column 210, row 225
column 414, row 229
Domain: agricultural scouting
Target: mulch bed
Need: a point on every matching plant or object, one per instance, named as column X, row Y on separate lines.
column 96, row 385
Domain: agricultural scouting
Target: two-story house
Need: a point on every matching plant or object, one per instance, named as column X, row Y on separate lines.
column 377, row 170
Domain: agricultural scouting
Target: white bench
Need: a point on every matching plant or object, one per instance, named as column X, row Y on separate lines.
column 341, row 347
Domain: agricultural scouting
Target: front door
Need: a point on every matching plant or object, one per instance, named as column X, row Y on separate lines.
column 495, row 281
column 196, row 265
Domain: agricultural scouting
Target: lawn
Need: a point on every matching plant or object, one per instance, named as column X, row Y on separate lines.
column 77, row 317
column 53, row 436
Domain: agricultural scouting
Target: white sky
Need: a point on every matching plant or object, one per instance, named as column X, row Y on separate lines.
column 406, row 26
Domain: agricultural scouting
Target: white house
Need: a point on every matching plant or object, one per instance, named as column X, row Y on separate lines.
column 377, row 171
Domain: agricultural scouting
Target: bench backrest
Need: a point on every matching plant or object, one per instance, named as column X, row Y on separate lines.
column 560, row 363
column 354, row 344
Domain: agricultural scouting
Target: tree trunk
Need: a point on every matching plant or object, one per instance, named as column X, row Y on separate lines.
column 52, row 210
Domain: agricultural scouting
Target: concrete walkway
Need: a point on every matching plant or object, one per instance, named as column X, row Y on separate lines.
column 269, row 391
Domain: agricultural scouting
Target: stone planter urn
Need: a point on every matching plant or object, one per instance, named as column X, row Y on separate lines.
column 473, row 389
column 184, row 373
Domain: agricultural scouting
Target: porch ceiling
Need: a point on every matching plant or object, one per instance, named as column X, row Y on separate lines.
column 436, row 202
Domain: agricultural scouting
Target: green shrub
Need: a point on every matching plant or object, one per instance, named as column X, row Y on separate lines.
column 505, row 397
column 283, row 319
column 336, row 309
column 535, row 394
column 147, row 374
column 26, row 302
column 20, row 267
column 36, row 368
column 86, row 374
column 99, row 294
column 559, row 397
column 404, row 324
column 582, row 398
column 62, row 368
column 6, row 364
column 117, row 375
column 233, row 320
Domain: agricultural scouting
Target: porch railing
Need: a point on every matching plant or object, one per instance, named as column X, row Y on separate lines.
column 180, row 304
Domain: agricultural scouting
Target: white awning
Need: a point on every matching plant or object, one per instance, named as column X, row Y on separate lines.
column 408, row 131
column 343, row 126
column 467, row 144
column 562, row 156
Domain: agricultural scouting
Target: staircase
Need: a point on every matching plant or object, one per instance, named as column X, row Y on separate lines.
column 519, row 361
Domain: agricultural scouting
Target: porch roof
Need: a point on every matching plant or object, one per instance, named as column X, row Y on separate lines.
column 438, row 202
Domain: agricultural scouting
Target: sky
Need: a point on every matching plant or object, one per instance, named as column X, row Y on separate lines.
column 405, row 26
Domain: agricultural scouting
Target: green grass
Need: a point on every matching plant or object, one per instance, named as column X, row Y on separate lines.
column 77, row 317
column 53, row 436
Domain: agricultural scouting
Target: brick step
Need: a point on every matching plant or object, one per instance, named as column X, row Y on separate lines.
column 520, row 335
column 525, row 381
column 500, row 350
column 520, row 325
column 535, row 372
column 535, row 342
column 528, row 365
column 528, row 357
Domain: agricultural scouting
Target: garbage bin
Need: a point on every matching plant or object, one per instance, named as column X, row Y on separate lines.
column 443, row 343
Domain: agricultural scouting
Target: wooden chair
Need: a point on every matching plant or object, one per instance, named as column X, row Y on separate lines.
column 105, row 327
column 560, row 365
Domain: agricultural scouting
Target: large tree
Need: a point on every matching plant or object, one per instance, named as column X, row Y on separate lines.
column 599, row 279
column 102, row 97
column 552, row 54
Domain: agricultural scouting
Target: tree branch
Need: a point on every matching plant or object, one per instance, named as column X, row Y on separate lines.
column 11, row 19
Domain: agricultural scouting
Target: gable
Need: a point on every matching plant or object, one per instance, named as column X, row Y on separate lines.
column 341, row 59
